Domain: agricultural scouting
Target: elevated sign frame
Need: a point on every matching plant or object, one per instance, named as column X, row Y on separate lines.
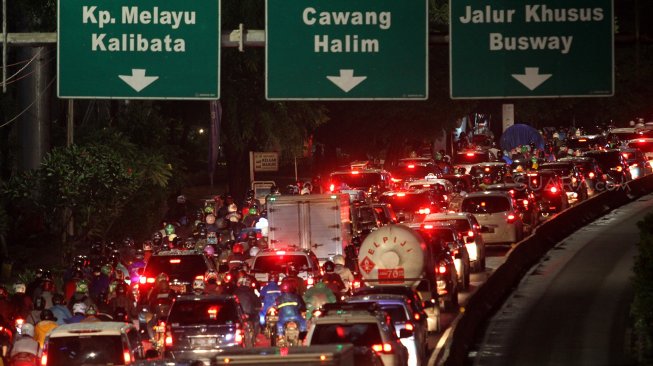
column 552, row 58
column 125, row 49
column 375, row 61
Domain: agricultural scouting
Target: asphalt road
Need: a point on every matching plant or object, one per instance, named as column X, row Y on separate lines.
column 571, row 308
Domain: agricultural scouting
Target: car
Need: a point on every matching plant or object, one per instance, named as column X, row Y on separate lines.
column 495, row 170
column 461, row 182
column 181, row 266
column 409, row 169
column 402, row 316
column 277, row 260
column 385, row 213
column 613, row 164
column 594, row 177
column 468, row 226
column 365, row 218
column 638, row 164
column 444, row 275
column 644, row 144
column 363, row 325
column 200, row 326
column 525, row 200
column 572, row 178
column 412, row 206
column 467, row 159
column 548, row 190
column 585, row 143
column 425, row 311
column 498, row 215
column 442, row 188
column 629, row 133
column 93, row 343
column 447, row 235
column 360, row 179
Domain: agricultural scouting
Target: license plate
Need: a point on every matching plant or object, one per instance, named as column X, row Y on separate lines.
column 203, row 342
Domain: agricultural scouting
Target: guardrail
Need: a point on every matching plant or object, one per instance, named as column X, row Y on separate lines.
column 490, row 295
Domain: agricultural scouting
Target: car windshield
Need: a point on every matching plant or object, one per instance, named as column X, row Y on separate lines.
column 407, row 202
column 180, row 267
column 485, row 204
column 209, row 312
column 85, row 350
column 644, row 146
column 517, row 192
column 539, row 181
column 278, row 262
column 356, row 179
column 470, row 158
column 360, row 334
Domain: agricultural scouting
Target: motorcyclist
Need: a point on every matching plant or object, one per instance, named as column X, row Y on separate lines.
column 293, row 279
column 20, row 301
column 343, row 271
column 45, row 290
column 237, row 257
column 211, row 285
column 35, row 283
column 160, row 291
column 252, row 216
column 122, row 300
column 316, row 296
column 100, row 281
column 79, row 313
column 25, row 349
column 248, row 300
column 198, row 286
column 35, row 314
column 59, row 309
column 269, row 294
column 332, row 279
column 43, row 327
column 91, row 315
column 290, row 306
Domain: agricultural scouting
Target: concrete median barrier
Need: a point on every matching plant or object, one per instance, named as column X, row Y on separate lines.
column 489, row 297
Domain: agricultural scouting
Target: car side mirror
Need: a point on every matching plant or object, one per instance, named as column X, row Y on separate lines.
column 405, row 333
column 151, row 353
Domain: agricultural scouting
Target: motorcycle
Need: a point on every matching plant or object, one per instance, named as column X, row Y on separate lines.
column 24, row 359
column 271, row 320
column 290, row 336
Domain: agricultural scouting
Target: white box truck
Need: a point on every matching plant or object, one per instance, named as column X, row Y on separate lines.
column 318, row 222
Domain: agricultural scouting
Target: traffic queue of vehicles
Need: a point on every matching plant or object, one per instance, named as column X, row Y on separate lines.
column 411, row 238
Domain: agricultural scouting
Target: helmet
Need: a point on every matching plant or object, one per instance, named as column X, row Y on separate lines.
column 47, row 314
column 232, row 208
column 157, row 236
column 27, row 329
column 288, row 287
column 181, row 199
column 20, row 288
column 244, row 281
column 140, row 254
column 211, row 276
column 328, row 266
column 198, row 284
column 107, row 269
column 162, row 277
column 253, row 251
column 91, row 310
column 82, row 286
column 209, row 250
column 210, row 219
column 79, row 308
column 238, row 248
column 169, row 229
column 39, row 273
column 339, row 260
column 208, row 209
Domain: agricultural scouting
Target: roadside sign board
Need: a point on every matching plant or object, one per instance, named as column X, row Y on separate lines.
column 344, row 50
column 266, row 161
column 517, row 49
column 138, row 49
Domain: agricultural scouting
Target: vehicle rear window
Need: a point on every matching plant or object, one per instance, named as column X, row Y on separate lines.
column 470, row 158
column 607, row 159
column 443, row 234
column 278, row 263
column 203, row 312
column 407, row 202
column 85, row 350
column 359, row 180
column 361, row 334
column 560, row 169
column 462, row 225
column 182, row 267
column 644, row 146
column 416, row 172
column 486, row 204
column 397, row 312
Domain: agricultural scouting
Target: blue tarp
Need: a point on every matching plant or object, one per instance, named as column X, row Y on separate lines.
column 517, row 135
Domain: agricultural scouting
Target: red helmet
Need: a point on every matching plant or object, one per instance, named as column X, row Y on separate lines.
column 238, row 248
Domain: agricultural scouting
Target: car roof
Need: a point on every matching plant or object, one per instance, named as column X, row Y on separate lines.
column 177, row 252
column 488, row 193
column 492, row 163
column 446, row 216
column 90, row 328
column 544, row 165
column 499, row 186
column 191, row 297
column 287, row 250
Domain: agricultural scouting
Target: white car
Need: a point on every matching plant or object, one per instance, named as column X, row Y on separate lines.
column 498, row 215
column 468, row 159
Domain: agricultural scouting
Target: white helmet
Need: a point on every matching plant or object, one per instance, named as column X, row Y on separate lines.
column 181, row 199
column 20, row 288
column 253, row 251
column 339, row 259
column 79, row 307
column 27, row 329
column 232, row 208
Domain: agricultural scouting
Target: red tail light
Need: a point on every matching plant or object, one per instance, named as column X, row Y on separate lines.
column 357, row 284
column 427, row 227
column 127, row 357
column 409, row 326
column 525, row 202
column 470, row 233
column 511, row 218
column 442, row 268
column 310, row 281
column 619, row 168
column 554, row 190
column 411, row 166
column 355, row 172
column 591, row 175
column 424, row 211
column 512, row 192
column 239, row 336
column 44, row 356
column 385, row 348
column 634, row 165
column 470, row 154
column 332, row 187
column 168, row 340
column 417, row 317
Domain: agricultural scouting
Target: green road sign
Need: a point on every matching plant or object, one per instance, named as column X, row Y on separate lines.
column 138, row 49
column 518, row 49
column 346, row 50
